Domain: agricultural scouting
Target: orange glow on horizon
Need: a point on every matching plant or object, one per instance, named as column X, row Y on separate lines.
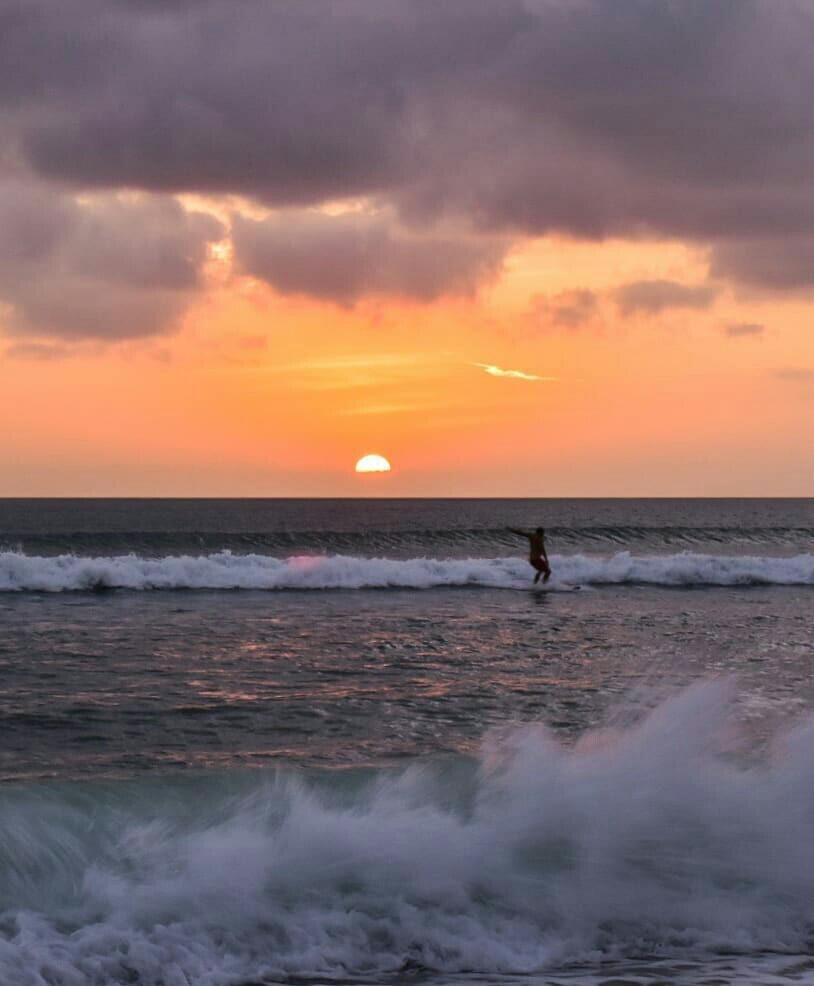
column 263, row 395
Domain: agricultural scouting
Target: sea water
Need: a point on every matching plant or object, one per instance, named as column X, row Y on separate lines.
column 347, row 741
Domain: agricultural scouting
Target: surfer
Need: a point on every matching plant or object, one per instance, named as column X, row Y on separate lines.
column 538, row 559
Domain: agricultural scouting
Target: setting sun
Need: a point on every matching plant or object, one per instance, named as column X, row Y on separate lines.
column 373, row 463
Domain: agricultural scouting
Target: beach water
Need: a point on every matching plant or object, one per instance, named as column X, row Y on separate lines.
column 321, row 741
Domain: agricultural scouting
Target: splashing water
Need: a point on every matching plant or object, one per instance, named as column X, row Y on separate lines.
column 652, row 840
column 224, row 570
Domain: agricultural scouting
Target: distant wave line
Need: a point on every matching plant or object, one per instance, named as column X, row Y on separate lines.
column 20, row 572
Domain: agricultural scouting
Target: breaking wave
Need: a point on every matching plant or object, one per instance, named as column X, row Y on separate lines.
column 20, row 572
column 650, row 840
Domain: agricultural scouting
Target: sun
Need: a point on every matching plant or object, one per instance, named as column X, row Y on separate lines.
column 373, row 463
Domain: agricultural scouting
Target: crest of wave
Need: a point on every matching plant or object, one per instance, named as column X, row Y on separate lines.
column 225, row 570
column 652, row 839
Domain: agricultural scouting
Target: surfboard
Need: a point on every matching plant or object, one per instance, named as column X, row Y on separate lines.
column 555, row 587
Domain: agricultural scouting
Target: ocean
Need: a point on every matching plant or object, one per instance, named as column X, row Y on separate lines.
column 347, row 741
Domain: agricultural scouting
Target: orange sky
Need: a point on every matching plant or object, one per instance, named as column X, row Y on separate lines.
column 526, row 248
column 258, row 394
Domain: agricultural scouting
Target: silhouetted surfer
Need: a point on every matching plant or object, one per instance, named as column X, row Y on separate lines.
column 538, row 559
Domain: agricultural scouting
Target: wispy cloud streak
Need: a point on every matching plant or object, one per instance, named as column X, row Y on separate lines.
column 740, row 329
column 496, row 371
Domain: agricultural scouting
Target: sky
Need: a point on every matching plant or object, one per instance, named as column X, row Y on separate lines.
column 518, row 247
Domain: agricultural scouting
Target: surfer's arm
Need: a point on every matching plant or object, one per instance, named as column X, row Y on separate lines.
column 514, row 530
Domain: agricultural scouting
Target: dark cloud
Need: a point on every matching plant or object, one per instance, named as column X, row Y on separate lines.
column 656, row 296
column 590, row 117
column 105, row 268
column 343, row 258
column 775, row 264
column 35, row 351
column 742, row 329
column 567, row 308
column 287, row 102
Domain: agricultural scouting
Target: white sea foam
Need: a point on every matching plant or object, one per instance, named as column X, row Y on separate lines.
column 645, row 841
column 225, row 570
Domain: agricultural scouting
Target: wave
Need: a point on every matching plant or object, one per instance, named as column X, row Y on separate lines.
column 649, row 840
column 20, row 572
column 403, row 543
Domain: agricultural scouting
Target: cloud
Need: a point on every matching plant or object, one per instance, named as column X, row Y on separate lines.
column 776, row 265
column 107, row 268
column 403, row 408
column 567, row 308
column 359, row 370
column 347, row 257
column 741, row 329
column 496, row 371
column 36, row 351
column 274, row 100
column 656, row 296
column 796, row 374
column 363, row 361
column 519, row 117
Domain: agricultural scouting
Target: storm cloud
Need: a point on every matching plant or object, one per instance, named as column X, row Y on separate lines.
column 343, row 258
column 629, row 118
column 768, row 263
column 104, row 268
